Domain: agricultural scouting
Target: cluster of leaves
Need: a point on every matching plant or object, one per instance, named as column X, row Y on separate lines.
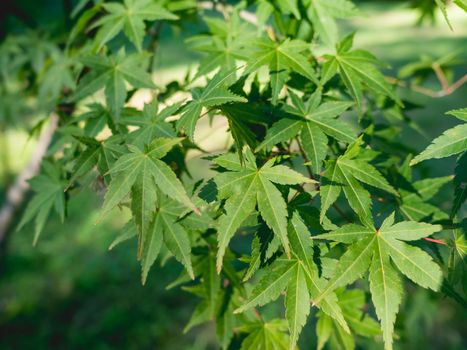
column 306, row 129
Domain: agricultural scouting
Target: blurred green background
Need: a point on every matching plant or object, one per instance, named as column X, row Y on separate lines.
column 71, row 292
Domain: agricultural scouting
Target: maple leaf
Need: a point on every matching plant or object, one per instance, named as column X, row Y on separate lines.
column 357, row 68
column 111, row 73
column 49, row 194
column 215, row 93
column 352, row 303
column 142, row 174
column 246, row 186
column 323, row 14
column 128, row 17
column 314, row 121
column 223, row 45
column 165, row 230
column 265, row 335
column 299, row 277
column 374, row 248
column 151, row 123
column 165, row 227
column 281, row 58
column 345, row 174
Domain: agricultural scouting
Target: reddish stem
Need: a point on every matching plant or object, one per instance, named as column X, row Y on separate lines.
column 437, row 241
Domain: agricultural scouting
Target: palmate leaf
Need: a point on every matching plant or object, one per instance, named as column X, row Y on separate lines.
column 250, row 186
column 164, row 227
column 323, row 14
column 328, row 330
column 346, row 174
column 281, row 59
column 49, row 195
column 357, row 68
column 111, row 73
column 141, row 166
column 128, row 17
column 299, row 278
column 223, row 45
column 303, row 248
column 375, row 248
column 215, row 93
column 151, row 123
column 284, row 274
column 313, row 122
column 269, row 335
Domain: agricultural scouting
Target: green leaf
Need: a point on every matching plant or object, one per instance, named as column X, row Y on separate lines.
column 366, row 173
column 358, row 68
column 151, row 246
column 178, row 242
column 283, row 175
column 128, row 17
column 451, row 142
column 266, row 335
column 323, row 14
column 143, row 204
column 315, row 145
column 329, row 190
column 459, row 113
column 145, row 165
column 250, row 186
column 279, row 57
column 273, row 209
column 359, row 198
column 386, row 292
column 410, row 230
column 282, row 131
column 215, row 93
column 460, row 181
column 49, row 194
column 352, row 265
column 347, row 233
column 111, row 73
column 237, row 209
column 271, row 285
column 414, row 263
column 297, row 304
column 303, row 249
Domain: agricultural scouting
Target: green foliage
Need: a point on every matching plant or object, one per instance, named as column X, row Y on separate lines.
column 298, row 99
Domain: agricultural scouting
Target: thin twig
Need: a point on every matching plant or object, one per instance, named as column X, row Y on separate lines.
column 437, row 241
column 429, row 92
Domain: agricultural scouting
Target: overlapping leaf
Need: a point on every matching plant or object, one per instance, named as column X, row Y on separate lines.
column 215, row 93
column 111, row 73
column 375, row 249
column 128, row 17
column 246, row 186
column 346, row 174
column 314, row 122
column 49, row 194
column 281, row 59
column 299, row 278
column 357, row 69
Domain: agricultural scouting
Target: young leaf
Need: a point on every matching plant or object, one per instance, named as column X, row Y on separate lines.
column 248, row 187
column 215, row 93
column 128, row 17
